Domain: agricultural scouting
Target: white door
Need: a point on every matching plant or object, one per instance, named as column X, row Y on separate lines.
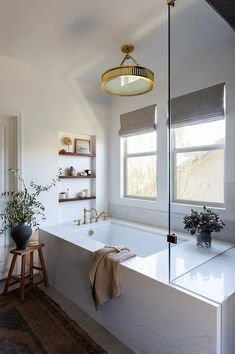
column 8, row 145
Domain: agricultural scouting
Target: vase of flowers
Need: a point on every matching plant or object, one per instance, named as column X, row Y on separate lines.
column 23, row 210
column 203, row 224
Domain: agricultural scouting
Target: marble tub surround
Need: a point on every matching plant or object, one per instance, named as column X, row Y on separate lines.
column 214, row 279
column 150, row 316
column 189, row 322
column 228, row 327
column 184, row 257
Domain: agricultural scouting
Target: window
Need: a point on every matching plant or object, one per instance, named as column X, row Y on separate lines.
column 198, row 162
column 140, row 162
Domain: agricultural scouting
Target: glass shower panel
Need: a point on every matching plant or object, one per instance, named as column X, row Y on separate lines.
column 201, row 147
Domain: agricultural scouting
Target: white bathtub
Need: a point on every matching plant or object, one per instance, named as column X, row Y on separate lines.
column 142, row 240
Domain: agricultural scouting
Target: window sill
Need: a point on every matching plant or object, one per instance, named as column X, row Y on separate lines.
column 151, row 204
column 182, row 208
column 144, row 199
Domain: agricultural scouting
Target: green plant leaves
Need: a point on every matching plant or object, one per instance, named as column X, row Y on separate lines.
column 205, row 221
column 23, row 206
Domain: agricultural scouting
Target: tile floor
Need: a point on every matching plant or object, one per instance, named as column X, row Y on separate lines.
column 98, row 333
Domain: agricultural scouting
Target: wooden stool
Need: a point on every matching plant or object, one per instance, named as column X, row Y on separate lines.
column 11, row 279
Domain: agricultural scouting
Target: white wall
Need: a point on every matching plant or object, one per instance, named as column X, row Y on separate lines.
column 50, row 104
column 203, row 68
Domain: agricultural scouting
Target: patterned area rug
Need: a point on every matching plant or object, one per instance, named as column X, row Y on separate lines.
column 38, row 325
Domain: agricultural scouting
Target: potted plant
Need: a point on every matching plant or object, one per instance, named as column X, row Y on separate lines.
column 23, row 210
column 203, row 223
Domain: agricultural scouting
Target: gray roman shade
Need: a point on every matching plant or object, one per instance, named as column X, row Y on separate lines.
column 138, row 122
column 204, row 105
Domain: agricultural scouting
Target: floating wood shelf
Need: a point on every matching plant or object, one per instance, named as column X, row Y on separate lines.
column 88, row 176
column 75, row 154
column 75, row 199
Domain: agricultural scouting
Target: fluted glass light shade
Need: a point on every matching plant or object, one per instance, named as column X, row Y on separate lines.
column 128, row 80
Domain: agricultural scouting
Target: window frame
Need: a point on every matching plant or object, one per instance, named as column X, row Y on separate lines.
column 125, row 174
column 199, row 148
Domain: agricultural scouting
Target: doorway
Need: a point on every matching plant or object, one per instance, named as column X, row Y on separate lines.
column 8, row 160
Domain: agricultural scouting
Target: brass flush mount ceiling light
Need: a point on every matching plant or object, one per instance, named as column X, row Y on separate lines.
column 128, row 80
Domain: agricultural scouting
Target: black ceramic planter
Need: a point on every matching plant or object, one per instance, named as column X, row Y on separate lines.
column 21, row 235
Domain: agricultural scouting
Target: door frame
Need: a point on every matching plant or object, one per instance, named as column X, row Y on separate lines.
column 18, row 116
column 19, row 134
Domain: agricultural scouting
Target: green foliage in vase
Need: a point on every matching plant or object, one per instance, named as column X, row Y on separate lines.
column 206, row 221
column 24, row 206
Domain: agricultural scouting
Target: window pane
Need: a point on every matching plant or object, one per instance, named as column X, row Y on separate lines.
column 141, row 176
column 141, row 143
column 200, row 176
column 200, row 134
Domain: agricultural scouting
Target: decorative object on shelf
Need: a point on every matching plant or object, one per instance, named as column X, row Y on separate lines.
column 68, row 141
column 84, row 152
column 62, row 195
column 82, row 146
column 62, row 151
column 203, row 223
column 71, row 171
column 82, row 194
column 23, row 210
column 88, row 172
column 87, row 192
column 128, row 80
column 67, row 194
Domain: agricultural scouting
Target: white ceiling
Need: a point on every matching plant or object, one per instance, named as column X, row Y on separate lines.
column 81, row 38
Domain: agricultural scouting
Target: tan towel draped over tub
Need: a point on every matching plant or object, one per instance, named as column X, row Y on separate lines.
column 105, row 273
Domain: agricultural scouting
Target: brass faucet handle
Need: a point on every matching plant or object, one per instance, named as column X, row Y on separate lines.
column 106, row 215
column 91, row 219
column 84, row 215
column 102, row 214
column 78, row 221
